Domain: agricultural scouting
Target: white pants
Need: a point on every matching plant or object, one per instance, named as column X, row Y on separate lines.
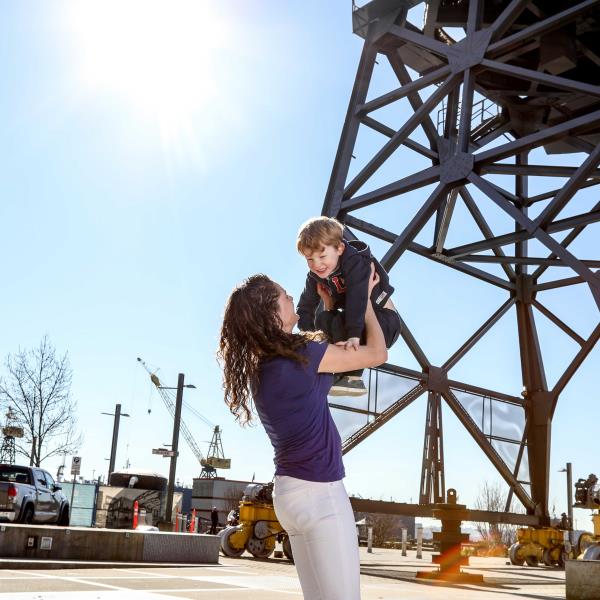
column 320, row 522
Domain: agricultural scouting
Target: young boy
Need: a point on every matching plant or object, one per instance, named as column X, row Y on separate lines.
column 339, row 275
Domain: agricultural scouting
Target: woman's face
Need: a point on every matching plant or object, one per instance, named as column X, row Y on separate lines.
column 286, row 311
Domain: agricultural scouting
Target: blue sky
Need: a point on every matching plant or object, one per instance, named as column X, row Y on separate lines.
column 128, row 218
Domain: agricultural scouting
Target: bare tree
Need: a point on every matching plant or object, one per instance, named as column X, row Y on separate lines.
column 384, row 527
column 491, row 497
column 38, row 388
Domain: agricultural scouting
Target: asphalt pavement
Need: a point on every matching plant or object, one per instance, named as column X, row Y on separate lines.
column 385, row 575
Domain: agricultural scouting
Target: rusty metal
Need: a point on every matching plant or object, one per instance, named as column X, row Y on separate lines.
column 433, row 485
column 450, row 539
column 523, row 76
column 426, row 510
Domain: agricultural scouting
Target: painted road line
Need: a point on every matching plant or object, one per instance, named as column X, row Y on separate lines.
column 114, row 595
column 94, row 595
column 77, row 580
column 268, row 583
column 180, row 576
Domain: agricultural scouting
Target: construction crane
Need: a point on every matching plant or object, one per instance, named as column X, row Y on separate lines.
column 10, row 432
column 215, row 457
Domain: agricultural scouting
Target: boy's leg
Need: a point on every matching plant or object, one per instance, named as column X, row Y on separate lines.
column 332, row 323
column 389, row 320
column 348, row 383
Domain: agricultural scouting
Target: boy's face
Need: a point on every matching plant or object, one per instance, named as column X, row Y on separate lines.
column 324, row 261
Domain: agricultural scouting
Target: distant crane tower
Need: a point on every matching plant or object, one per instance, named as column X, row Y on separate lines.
column 215, row 457
column 10, row 432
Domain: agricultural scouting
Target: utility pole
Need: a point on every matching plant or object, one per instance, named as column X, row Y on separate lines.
column 568, row 470
column 176, row 412
column 174, row 447
column 113, row 451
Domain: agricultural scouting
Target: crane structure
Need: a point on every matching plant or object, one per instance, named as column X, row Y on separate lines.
column 215, row 458
column 10, row 432
column 447, row 170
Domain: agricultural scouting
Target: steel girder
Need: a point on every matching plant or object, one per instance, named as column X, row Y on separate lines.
column 538, row 63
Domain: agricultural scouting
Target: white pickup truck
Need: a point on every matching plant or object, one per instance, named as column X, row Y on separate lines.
column 30, row 495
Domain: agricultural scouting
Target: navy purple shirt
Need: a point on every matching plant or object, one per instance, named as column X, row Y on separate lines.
column 291, row 401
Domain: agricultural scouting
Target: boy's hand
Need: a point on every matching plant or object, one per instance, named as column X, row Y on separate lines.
column 325, row 296
column 352, row 343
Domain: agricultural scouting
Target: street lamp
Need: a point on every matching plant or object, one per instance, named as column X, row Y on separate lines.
column 113, row 450
column 569, row 473
column 175, row 442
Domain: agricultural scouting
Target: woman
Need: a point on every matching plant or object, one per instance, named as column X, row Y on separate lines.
column 288, row 376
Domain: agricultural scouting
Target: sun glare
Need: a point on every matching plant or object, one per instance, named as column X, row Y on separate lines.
column 157, row 55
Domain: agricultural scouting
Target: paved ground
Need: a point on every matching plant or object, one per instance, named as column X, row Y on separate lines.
column 386, row 575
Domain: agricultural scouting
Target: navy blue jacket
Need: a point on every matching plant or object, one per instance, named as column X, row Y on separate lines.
column 349, row 287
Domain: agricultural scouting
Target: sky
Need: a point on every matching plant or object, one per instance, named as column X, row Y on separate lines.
column 151, row 159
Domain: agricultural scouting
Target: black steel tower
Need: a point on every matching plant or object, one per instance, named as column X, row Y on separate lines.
column 492, row 88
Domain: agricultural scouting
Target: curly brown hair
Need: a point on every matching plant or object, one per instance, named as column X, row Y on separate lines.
column 252, row 331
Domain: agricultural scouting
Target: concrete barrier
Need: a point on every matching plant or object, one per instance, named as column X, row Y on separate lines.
column 34, row 542
column 582, row 578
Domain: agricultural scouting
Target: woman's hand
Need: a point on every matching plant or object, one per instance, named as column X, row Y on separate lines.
column 354, row 342
column 374, row 279
column 337, row 359
column 325, row 295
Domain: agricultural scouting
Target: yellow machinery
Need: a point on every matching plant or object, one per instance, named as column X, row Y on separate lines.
column 547, row 545
column 551, row 545
column 587, row 495
column 258, row 527
column 590, row 540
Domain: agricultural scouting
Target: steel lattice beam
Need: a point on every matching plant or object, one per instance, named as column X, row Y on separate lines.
column 546, row 98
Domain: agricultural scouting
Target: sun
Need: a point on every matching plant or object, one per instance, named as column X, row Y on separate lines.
column 158, row 56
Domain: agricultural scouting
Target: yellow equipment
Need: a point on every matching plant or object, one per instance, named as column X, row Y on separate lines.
column 551, row 545
column 547, row 545
column 587, row 495
column 258, row 527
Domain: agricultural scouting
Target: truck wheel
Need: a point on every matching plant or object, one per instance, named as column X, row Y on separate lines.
column 287, row 548
column 226, row 547
column 63, row 519
column 27, row 516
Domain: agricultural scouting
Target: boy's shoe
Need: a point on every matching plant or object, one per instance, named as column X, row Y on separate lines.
column 347, row 386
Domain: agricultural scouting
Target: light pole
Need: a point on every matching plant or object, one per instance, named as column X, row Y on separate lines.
column 175, row 442
column 113, row 450
column 569, row 473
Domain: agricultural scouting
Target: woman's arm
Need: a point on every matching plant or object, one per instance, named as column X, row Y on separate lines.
column 337, row 359
column 307, row 305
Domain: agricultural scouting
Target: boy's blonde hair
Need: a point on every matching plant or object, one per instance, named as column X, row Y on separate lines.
column 318, row 232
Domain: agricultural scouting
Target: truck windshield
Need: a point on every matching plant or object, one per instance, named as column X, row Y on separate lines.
column 14, row 474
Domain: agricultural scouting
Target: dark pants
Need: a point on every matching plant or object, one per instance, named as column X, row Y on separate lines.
column 333, row 323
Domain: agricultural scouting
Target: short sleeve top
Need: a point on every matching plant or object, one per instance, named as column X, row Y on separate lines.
column 291, row 401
